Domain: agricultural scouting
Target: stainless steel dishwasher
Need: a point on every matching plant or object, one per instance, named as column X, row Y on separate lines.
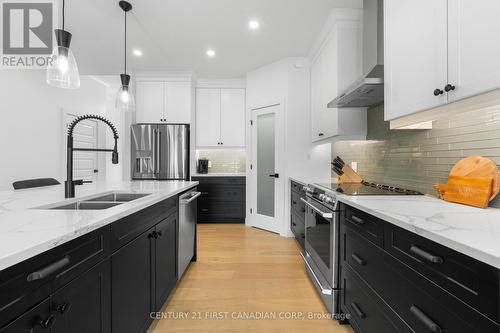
column 187, row 228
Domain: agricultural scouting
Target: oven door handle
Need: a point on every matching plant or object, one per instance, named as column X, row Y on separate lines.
column 326, row 215
column 324, row 291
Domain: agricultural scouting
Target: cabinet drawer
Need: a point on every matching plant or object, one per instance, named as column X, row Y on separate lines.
column 126, row 229
column 297, row 205
column 222, row 193
column 220, row 180
column 31, row 320
column 220, row 210
column 297, row 187
column 367, row 312
column 366, row 225
column 27, row 283
column 418, row 301
column 468, row 279
column 299, row 229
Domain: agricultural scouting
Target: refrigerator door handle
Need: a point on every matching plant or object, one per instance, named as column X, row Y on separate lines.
column 155, row 141
column 158, row 152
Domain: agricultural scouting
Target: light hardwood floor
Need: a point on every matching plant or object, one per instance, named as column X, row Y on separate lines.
column 244, row 271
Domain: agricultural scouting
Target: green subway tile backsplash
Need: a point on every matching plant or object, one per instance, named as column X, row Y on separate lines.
column 224, row 160
column 417, row 159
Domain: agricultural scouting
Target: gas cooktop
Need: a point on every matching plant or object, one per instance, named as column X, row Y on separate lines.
column 367, row 188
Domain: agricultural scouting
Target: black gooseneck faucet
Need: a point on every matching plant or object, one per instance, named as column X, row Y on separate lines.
column 69, row 185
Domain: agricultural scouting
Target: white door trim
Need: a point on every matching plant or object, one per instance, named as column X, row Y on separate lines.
column 276, row 224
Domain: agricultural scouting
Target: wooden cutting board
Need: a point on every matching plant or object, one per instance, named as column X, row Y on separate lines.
column 472, row 191
column 478, row 167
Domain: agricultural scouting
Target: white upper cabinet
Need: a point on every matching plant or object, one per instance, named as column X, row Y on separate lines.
column 437, row 52
column 474, row 51
column 415, row 58
column 208, row 117
column 178, row 102
column 232, row 117
column 335, row 65
column 161, row 101
column 220, row 117
column 149, row 102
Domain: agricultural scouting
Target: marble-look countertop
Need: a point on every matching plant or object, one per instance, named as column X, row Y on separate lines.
column 27, row 230
column 220, row 174
column 472, row 231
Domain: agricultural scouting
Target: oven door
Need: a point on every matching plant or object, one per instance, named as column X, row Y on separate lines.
column 320, row 243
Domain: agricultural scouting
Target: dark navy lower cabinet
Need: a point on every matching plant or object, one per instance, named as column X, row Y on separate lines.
column 297, row 212
column 109, row 280
column 222, row 200
column 395, row 281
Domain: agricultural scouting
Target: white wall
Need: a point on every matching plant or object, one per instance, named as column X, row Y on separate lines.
column 31, row 127
column 288, row 81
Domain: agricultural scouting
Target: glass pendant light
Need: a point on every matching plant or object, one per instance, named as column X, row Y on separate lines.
column 62, row 71
column 125, row 99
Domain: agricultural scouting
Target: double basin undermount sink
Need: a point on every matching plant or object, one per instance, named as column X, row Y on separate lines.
column 101, row 202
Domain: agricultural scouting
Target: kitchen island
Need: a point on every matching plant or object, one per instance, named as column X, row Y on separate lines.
column 88, row 270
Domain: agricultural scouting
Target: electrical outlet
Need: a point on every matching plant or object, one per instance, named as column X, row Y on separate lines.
column 209, row 164
column 354, row 166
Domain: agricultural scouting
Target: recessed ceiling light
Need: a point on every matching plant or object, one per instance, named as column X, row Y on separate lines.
column 253, row 24
column 137, row 52
column 210, row 53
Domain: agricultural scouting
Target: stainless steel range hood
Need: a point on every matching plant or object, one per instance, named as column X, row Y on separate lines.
column 368, row 90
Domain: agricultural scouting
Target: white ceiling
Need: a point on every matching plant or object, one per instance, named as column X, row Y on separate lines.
column 174, row 34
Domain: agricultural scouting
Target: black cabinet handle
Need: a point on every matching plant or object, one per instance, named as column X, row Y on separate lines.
column 204, row 209
column 275, row 175
column 48, row 322
column 358, row 311
column 449, row 87
column 358, row 259
column 63, row 308
column 438, row 92
column 294, row 202
column 424, row 319
column 48, row 270
column 294, row 224
column 153, row 234
column 321, row 134
column 158, row 234
column 357, row 220
column 425, row 255
column 302, row 236
column 303, row 210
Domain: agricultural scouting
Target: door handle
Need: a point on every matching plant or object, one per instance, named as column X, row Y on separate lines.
column 326, row 215
column 158, row 154
column 275, row 175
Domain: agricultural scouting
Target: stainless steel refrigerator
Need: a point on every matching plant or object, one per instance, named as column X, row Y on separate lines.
column 160, row 152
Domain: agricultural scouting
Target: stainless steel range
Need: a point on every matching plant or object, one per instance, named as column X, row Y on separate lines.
column 322, row 232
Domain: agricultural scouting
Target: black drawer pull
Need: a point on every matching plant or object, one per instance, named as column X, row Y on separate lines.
column 428, row 322
column 204, row 210
column 357, row 220
column 294, row 202
column 46, row 271
column 294, row 224
column 48, row 322
column 425, row 255
column 303, row 210
column 204, row 193
column 358, row 311
column 63, row 308
column 358, row 259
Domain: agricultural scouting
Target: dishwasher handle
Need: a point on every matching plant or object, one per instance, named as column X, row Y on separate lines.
column 189, row 198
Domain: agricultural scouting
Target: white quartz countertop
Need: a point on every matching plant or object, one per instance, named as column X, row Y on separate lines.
column 472, row 231
column 220, row 174
column 26, row 231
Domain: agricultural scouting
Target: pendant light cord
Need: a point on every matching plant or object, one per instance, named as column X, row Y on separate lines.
column 63, row 8
column 125, row 53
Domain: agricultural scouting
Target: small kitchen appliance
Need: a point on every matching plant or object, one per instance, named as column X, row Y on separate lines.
column 203, row 166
